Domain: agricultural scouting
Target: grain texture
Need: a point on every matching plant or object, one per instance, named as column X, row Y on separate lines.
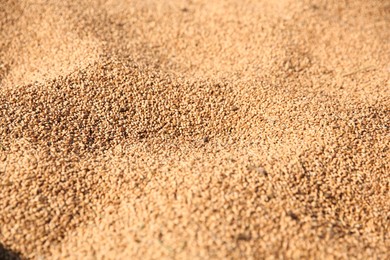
column 195, row 129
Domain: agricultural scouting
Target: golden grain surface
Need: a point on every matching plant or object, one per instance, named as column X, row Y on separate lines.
column 194, row 129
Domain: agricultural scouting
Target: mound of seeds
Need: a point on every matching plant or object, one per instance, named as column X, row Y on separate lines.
column 194, row 129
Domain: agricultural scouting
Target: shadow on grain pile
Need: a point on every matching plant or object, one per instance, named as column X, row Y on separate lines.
column 7, row 254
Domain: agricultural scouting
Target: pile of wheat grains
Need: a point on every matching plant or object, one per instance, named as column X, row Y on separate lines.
column 194, row 129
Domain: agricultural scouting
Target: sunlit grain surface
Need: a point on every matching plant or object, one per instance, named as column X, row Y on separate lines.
column 194, row 129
